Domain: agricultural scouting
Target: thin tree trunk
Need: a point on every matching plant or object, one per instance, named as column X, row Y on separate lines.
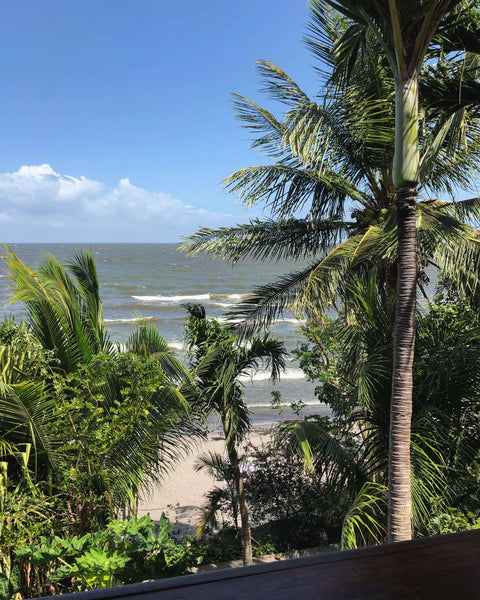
column 399, row 484
column 246, row 534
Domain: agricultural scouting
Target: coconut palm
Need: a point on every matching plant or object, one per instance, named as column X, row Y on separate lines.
column 335, row 162
column 405, row 32
column 347, row 149
column 218, row 361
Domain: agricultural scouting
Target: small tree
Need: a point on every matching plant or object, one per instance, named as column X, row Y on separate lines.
column 219, row 359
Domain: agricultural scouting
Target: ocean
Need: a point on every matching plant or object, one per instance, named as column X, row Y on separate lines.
column 154, row 280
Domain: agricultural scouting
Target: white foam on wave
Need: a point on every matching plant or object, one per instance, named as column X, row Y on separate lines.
column 176, row 345
column 130, row 320
column 237, row 296
column 227, row 321
column 290, row 374
column 172, row 299
column 226, row 300
column 291, row 320
column 224, row 304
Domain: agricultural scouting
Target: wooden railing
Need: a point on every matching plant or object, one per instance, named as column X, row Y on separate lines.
column 439, row 568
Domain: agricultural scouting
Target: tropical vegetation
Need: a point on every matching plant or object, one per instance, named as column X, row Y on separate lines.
column 218, row 359
column 86, row 424
column 367, row 145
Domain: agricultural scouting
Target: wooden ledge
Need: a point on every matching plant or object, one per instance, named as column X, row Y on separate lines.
column 443, row 567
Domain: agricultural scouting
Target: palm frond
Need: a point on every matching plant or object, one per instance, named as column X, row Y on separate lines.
column 365, row 522
column 268, row 240
column 147, row 341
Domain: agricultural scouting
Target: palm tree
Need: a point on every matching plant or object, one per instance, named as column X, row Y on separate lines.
column 64, row 307
column 404, row 31
column 335, row 159
column 331, row 153
column 218, row 361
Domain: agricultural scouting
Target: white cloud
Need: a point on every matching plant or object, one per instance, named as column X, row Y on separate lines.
column 39, row 204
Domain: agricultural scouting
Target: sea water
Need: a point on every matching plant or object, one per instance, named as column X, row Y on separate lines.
column 155, row 280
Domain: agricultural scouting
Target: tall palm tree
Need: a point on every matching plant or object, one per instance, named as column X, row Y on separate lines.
column 405, row 32
column 219, row 360
column 348, row 148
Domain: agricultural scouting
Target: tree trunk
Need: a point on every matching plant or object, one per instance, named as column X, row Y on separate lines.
column 399, row 484
column 246, row 534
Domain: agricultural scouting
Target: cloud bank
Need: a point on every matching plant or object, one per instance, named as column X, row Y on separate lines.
column 39, row 205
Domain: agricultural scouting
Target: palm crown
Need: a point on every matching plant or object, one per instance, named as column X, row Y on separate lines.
column 330, row 188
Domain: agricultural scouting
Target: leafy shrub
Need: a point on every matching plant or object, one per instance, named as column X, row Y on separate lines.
column 288, row 503
column 452, row 520
column 122, row 552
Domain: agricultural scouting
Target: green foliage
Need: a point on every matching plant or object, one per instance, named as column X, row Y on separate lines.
column 351, row 358
column 116, row 407
column 64, row 306
column 27, row 512
column 452, row 520
column 364, row 523
column 83, row 428
column 219, row 358
column 290, row 505
column 122, row 552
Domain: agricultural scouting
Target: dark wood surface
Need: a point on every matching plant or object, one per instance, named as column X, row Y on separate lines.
column 440, row 568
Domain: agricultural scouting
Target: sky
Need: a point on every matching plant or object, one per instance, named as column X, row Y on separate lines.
column 115, row 115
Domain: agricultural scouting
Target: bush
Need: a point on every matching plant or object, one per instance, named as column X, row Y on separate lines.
column 288, row 503
column 122, row 552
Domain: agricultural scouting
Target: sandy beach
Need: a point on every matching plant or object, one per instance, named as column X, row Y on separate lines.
column 182, row 494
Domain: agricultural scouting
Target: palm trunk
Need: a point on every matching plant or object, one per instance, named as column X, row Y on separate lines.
column 405, row 177
column 399, row 486
column 246, row 534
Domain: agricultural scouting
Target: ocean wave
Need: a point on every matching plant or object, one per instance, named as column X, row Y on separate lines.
column 288, row 320
column 290, row 374
column 176, row 345
column 226, row 300
column 307, row 402
column 131, row 319
column 172, row 299
column 227, row 320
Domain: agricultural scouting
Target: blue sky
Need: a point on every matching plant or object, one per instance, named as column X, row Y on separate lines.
column 115, row 115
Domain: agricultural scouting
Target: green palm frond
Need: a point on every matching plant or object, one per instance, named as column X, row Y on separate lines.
column 64, row 308
column 266, row 240
column 322, row 450
column 26, row 415
column 269, row 301
column 260, row 121
column 265, row 352
column 153, row 444
column 147, row 341
column 287, row 189
column 428, row 476
column 365, row 522
column 216, row 464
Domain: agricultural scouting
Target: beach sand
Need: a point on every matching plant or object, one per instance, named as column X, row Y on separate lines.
column 181, row 495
